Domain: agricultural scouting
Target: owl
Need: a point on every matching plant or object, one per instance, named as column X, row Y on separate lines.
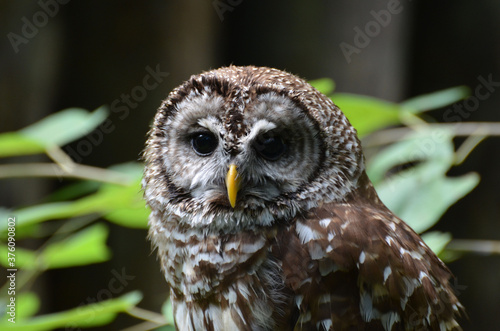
column 264, row 218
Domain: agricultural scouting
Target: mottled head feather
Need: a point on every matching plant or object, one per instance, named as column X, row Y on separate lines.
column 230, row 101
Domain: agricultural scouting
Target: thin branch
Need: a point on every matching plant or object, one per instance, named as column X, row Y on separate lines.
column 55, row 171
column 476, row 246
column 147, row 315
column 467, row 147
column 23, row 277
column 145, row 326
column 63, row 160
column 459, row 129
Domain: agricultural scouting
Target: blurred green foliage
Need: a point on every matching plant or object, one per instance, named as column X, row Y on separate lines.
column 409, row 174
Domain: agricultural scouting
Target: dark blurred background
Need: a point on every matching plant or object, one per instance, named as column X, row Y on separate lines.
column 89, row 53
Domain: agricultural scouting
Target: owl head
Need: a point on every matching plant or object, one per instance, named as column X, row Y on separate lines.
column 242, row 147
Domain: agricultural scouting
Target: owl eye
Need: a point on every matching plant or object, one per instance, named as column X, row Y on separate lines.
column 270, row 146
column 204, row 143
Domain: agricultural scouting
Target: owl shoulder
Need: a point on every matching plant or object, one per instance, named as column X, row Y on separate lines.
column 359, row 263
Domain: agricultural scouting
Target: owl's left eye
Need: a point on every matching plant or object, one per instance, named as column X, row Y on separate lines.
column 270, row 146
column 204, row 143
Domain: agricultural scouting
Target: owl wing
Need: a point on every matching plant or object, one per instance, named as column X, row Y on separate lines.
column 357, row 266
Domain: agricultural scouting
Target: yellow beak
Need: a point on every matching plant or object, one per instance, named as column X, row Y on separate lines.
column 232, row 184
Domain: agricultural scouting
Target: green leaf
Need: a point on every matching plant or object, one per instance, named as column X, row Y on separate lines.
column 28, row 305
column 64, row 126
column 420, row 195
column 122, row 204
column 435, row 195
column 14, row 144
column 133, row 217
column 436, row 100
column 114, row 202
column 96, row 314
column 25, row 258
column 21, row 231
column 168, row 311
column 57, row 129
column 448, row 256
column 430, row 145
column 38, row 213
column 165, row 328
column 75, row 190
column 133, row 169
column 85, row 247
column 367, row 114
column 130, row 209
column 436, row 240
column 324, row 85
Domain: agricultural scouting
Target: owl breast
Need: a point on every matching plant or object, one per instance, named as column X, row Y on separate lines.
column 220, row 282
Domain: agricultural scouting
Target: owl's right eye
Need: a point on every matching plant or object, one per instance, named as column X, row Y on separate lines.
column 204, row 143
column 270, row 146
